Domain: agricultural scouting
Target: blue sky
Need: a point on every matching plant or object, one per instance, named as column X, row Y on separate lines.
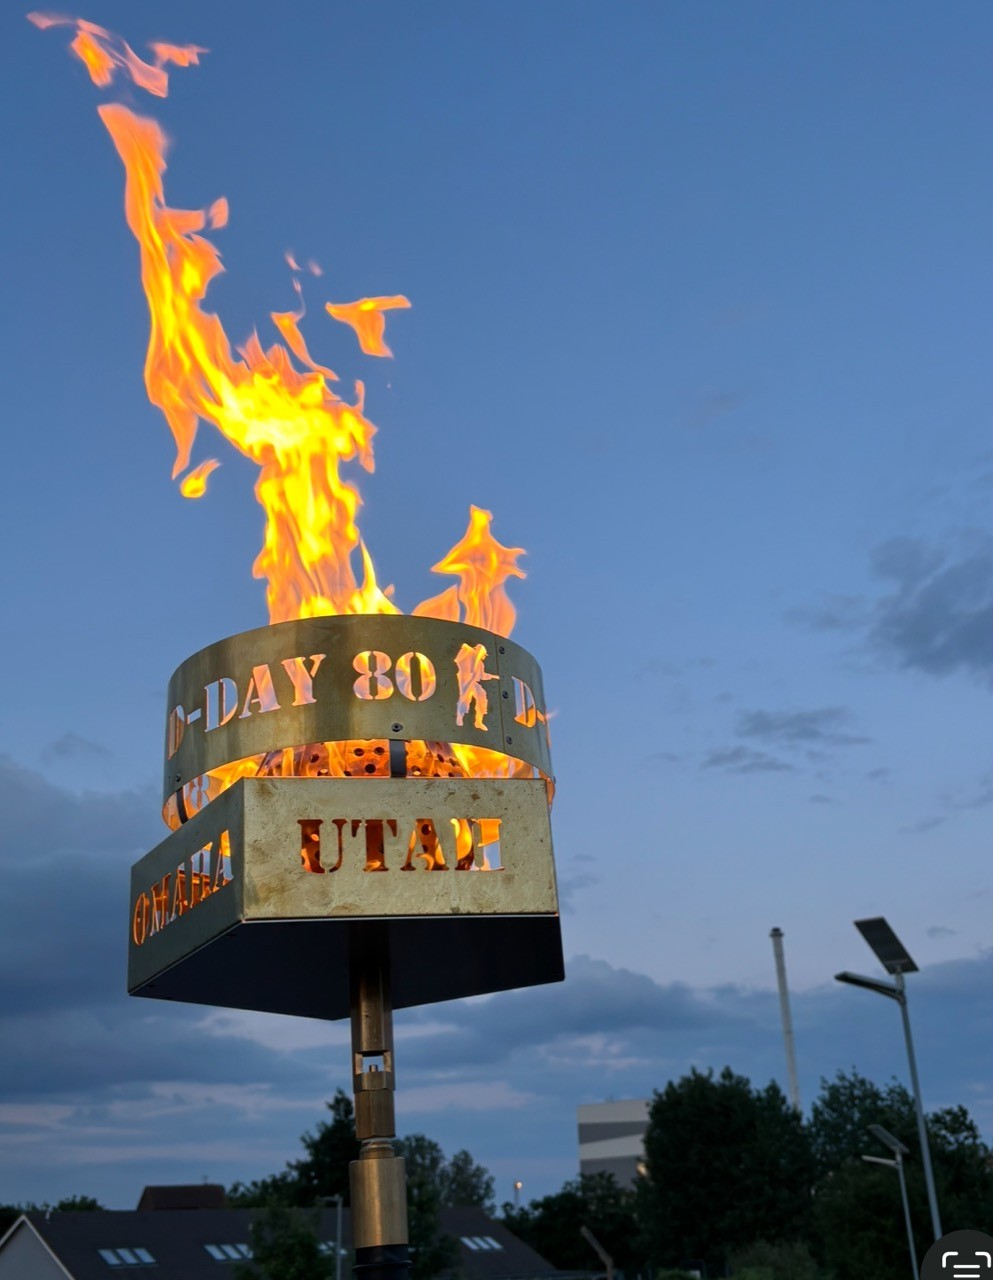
column 702, row 312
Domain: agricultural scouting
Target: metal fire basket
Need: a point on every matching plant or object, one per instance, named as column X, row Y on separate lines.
column 360, row 814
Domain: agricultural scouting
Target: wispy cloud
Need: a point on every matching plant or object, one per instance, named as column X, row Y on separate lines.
column 938, row 615
column 821, row 727
column 744, row 760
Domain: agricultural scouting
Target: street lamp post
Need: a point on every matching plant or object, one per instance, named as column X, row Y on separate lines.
column 896, row 960
column 899, row 1151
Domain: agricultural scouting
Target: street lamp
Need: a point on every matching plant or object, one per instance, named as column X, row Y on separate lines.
column 899, row 1151
column 896, row 960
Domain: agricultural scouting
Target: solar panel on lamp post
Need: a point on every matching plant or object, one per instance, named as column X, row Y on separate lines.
column 896, row 960
column 899, row 1151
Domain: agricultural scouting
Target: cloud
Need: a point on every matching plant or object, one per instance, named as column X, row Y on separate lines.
column 714, row 405
column 817, row 729
column 744, row 760
column 73, row 747
column 938, row 616
column 941, row 931
column 822, row 727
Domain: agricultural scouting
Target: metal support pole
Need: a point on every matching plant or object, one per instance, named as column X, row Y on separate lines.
column 906, row 1213
column 337, row 1237
column 377, row 1178
column 932, row 1197
column 784, row 1008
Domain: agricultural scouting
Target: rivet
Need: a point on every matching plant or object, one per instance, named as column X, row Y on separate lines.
column 510, row 739
column 503, row 649
column 506, row 694
column 396, row 727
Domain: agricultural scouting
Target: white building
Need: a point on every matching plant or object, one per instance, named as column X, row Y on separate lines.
column 612, row 1138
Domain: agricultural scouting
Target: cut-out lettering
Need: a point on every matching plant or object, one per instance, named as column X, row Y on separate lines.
column 525, row 710
column 175, row 729
column 178, row 892
column 260, row 692
column 376, row 841
column 310, row 844
column 302, row 679
column 486, row 843
column 470, row 665
column 427, row 678
column 425, row 844
column 373, row 684
column 222, row 703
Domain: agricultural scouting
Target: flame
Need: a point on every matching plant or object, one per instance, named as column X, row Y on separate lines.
column 103, row 54
column 367, row 319
column 194, row 484
column 276, row 406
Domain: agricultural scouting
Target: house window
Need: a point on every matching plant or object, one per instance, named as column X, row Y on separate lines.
column 228, row 1252
column 125, row 1257
column 476, row 1243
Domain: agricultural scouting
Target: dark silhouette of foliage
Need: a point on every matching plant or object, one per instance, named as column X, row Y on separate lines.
column 285, row 1247
column 858, row 1213
column 466, row 1184
column 321, row 1174
column 9, row 1213
column 431, row 1251
column 726, row 1165
column 593, row 1200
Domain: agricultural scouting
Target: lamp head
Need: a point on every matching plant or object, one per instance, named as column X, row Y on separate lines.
column 889, row 950
column 888, row 1140
column 871, row 984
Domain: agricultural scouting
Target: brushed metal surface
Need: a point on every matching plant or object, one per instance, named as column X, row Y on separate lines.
column 283, row 717
column 276, row 938
column 379, row 1201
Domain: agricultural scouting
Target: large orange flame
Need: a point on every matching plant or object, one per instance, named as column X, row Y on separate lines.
column 285, row 417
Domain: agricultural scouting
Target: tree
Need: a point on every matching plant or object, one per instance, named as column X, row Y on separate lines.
column 321, row 1174
column 465, row 1184
column 593, row 1200
column 762, row 1261
column 285, row 1247
column 858, row 1214
column 431, row 1251
column 727, row 1165
column 9, row 1213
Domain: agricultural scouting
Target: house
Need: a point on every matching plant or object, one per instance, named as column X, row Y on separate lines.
column 171, row 1237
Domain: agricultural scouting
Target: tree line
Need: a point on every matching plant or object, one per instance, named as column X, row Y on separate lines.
column 735, row 1183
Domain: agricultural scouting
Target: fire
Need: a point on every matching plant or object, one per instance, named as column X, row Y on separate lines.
column 194, row 483
column 276, row 405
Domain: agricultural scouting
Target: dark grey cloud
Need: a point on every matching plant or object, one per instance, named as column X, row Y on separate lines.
column 712, row 406
column 596, row 1000
column 744, row 760
column 938, row 615
column 820, row 727
column 71, row 746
